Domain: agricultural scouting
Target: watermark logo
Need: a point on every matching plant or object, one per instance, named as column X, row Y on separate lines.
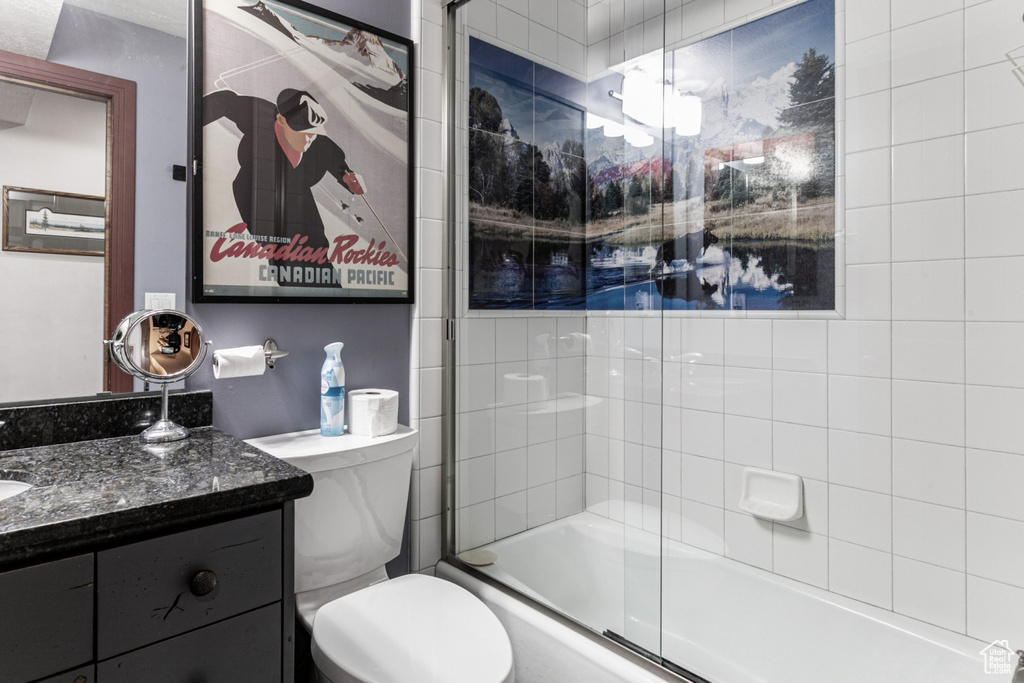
column 999, row 658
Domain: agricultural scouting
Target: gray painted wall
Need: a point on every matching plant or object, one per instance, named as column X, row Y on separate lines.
column 286, row 399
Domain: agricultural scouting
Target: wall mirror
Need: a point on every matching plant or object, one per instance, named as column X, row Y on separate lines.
column 88, row 101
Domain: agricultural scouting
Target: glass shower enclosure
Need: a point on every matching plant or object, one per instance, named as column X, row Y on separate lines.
column 628, row 177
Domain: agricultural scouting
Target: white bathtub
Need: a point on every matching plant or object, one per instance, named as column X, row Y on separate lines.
column 723, row 620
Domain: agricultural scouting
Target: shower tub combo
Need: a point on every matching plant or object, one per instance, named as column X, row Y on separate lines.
column 722, row 620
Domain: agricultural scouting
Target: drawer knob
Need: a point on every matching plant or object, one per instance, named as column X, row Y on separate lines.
column 202, row 583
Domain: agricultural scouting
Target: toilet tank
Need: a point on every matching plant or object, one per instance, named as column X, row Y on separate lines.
column 353, row 521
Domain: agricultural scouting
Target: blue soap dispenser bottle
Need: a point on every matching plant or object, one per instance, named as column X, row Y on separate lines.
column 332, row 392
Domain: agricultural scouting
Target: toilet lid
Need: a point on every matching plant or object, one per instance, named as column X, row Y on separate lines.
column 413, row 628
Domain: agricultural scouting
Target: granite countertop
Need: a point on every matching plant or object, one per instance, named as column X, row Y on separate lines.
column 93, row 493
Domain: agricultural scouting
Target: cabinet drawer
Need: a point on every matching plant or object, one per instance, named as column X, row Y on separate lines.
column 151, row 590
column 46, row 623
column 245, row 648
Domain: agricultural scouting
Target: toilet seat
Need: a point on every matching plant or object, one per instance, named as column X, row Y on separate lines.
column 411, row 629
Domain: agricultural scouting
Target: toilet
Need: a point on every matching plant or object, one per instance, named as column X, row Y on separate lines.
column 365, row 627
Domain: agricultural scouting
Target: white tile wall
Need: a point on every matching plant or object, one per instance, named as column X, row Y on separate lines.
column 903, row 417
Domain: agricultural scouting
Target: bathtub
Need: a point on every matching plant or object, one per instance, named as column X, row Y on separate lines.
column 723, row 620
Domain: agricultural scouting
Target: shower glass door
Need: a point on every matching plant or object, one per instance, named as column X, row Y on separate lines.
column 557, row 219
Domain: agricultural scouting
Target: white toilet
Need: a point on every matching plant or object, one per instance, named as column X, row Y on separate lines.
column 365, row 627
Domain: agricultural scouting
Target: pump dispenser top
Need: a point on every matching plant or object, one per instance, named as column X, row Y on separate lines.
column 332, row 392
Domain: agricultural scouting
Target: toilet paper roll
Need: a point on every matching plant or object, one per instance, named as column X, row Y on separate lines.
column 372, row 412
column 518, row 387
column 243, row 361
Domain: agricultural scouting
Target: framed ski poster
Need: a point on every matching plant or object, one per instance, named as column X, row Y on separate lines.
column 302, row 140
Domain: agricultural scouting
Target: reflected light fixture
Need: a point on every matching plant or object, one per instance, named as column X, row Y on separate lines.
column 687, row 111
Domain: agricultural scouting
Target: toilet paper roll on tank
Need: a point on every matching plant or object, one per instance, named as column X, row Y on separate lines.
column 372, row 412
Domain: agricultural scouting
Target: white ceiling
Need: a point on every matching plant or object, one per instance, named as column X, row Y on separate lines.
column 169, row 16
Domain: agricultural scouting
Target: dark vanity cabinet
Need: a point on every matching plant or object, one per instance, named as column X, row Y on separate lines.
column 204, row 604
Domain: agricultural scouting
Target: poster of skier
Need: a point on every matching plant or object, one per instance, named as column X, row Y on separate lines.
column 303, row 141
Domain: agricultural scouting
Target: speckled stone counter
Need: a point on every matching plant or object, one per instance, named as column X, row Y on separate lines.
column 92, row 493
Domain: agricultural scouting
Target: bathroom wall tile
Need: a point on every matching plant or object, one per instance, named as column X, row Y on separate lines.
column 748, row 392
column 652, row 475
column 929, row 593
column 671, row 473
column 905, row 12
column 702, row 341
column 800, row 397
column 994, row 97
column 861, row 349
column 510, row 471
column 800, row 450
column 509, row 515
column 702, row 387
column 543, row 40
column 483, row 16
column 569, row 496
column 701, row 15
column 862, row 461
column 800, row 345
column 800, row 555
column 429, row 442
column 598, row 22
column 476, row 387
column 748, row 441
column 430, row 403
column 993, row 484
column 735, row 9
column 933, row 473
column 702, row 480
column 540, row 505
column 572, row 20
column 511, row 339
column 993, row 419
column 867, row 65
column 868, row 121
column 860, row 404
column 518, row 6
column 475, row 480
column 992, row 550
column 748, row 343
column 541, row 426
column 868, row 235
column 427, row 552
column 542, row 338
column 702, row 433
column 990, row 29
column 868, row 178
column 928, row 109
column 860, row 517
column 931, row 169
column 860, row 573
column 541, row 464
column 928, row 230
column 429, row 497
column 988, row 276
column 991, row 228
column 928, row 411
column 595, row 493
column 476, row 434
column 702, row 526
column 866, row 18
column 816, row 513
column 993, row 610
column 671, row 428
column 868, row 292
column 928, row 49
column 929, row 290
column 570, row 374
column 929, row 533
column 927, row 351
column 993, row 356
column 748, row 540
column 572, row 55
column 477, row 343
column 475, row 526
column 633, row 464
column 991, row 156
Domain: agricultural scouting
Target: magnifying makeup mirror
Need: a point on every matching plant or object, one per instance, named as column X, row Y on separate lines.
column 162, row 346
